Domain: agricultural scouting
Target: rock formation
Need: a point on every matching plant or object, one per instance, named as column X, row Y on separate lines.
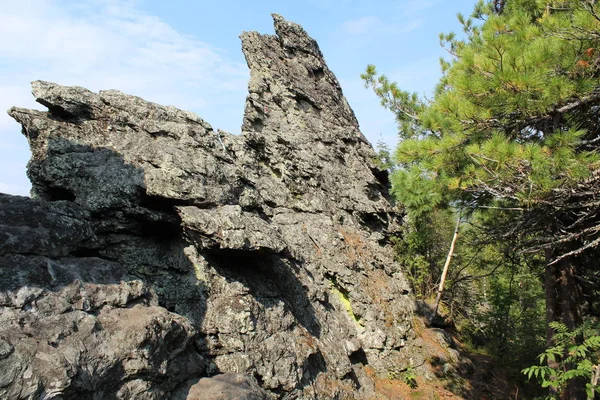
column 156, row 251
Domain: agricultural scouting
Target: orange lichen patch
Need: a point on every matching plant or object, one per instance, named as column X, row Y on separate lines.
column 398, row 390
column 377, row 287
column 417, row 325
column 388, row 319
column 355, row 247
column 327, row 388
column 307, row 340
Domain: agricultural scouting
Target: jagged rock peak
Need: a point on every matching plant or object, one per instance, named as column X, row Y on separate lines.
column 288, row 71
column 158, row 251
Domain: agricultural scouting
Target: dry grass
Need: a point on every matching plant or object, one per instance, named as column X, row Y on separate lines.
column 399, row 390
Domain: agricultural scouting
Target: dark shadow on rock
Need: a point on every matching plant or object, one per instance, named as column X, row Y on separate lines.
column 107, row 218
column 91, row 244
column 84, row 384
column 472, row 376
column 359, row 357
column 269, row 277
column 222, row 387
column 425, row 311
column 313, row 366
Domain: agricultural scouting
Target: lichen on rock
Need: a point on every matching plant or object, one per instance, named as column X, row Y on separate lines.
column 156, row 251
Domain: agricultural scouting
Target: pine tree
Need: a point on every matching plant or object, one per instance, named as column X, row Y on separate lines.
column 514, row 126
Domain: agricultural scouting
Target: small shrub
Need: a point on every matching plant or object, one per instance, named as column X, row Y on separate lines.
column 575, row 356
column 410, row 378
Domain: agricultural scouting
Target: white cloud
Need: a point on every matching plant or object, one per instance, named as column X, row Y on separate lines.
column 409, row 13
column 411, row 7
column 361, row 25
column 331, row 3
column 374, row 25
column 108, row 44
column 409, row 26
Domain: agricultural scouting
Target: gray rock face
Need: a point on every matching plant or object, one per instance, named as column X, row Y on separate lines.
column 223, row 387
column 157, row 251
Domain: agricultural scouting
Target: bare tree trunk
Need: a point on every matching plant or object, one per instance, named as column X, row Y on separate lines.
column 551, row 310
column 563, row 304
column 445, row 270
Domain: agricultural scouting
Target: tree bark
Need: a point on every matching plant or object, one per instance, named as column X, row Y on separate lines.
column 563, row 304
column 445, row 270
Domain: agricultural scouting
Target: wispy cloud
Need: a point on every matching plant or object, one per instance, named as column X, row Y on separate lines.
column 412, row 7
column 331, row 3
column 374, row 25
column 110, row 44
column 105, row 44
column 361, row 25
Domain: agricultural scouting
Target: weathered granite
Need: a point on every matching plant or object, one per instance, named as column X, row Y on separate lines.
column 158, row 250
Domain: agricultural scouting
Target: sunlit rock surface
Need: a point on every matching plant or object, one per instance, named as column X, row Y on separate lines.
column 158, row 251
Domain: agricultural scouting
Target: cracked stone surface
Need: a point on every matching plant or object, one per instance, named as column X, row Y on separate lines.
column 157, row 253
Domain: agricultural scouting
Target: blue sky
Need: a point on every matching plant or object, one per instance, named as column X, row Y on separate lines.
column 187, row 53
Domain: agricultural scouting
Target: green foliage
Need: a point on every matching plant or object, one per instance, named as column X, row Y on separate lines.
column 405, row 105
column 502, row 314
column 422, row 248
column 495, row 299
column 492, row 130
column 511, row 136
column 384, row 160
column 410, row 378
column 493, row 296
column 418, row 192
column 573, row 356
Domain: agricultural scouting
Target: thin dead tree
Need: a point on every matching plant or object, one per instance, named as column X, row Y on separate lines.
column 440, row 290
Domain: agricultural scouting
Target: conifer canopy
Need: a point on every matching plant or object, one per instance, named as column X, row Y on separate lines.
column 513, row 122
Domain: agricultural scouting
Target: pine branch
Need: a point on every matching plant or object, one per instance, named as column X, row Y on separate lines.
column 576, row 252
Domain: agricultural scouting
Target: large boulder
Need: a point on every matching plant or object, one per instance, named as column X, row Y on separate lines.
column 157, row 251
